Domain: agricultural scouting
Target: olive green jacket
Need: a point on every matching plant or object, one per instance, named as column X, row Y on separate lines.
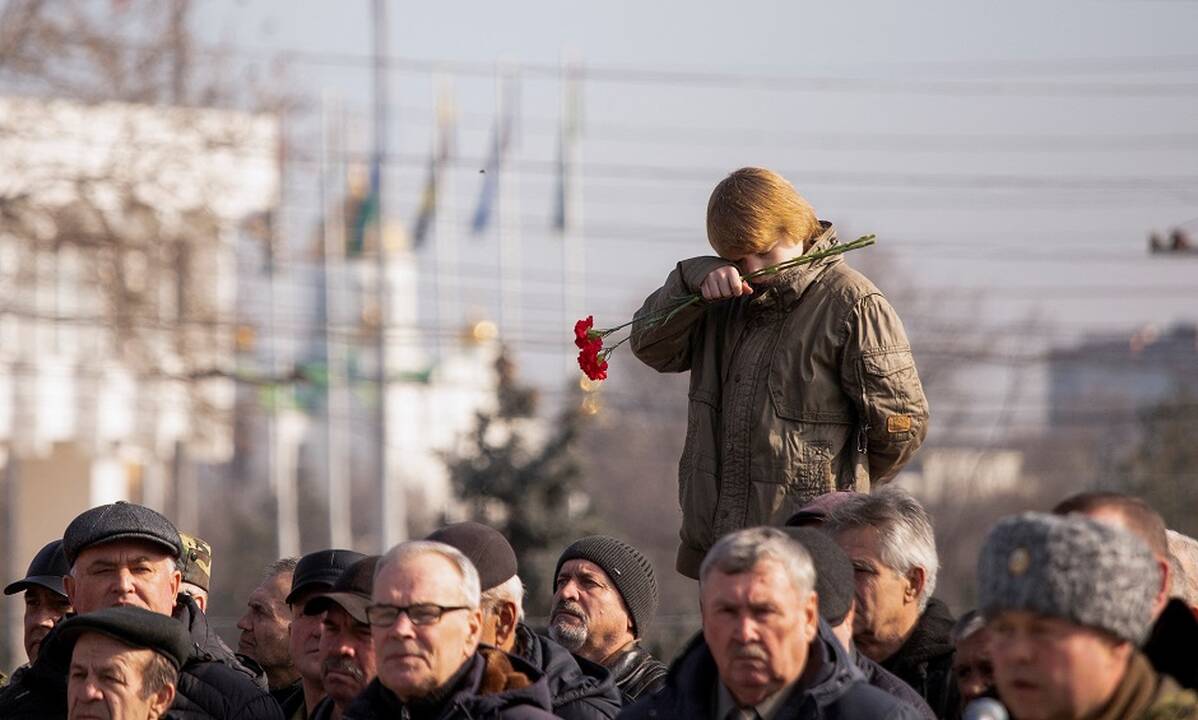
column 804, row 387
column 1145, row 695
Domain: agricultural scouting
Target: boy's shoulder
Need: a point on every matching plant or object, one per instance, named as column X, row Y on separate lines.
column 844, row 284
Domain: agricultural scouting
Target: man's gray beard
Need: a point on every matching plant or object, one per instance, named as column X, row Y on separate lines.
column 571, row 637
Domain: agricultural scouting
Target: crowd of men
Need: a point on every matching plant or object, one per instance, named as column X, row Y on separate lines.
column 1081, row 613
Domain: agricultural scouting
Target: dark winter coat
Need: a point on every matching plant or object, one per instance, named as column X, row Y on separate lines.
column 887, row 682
column 290, row 698
column 837, row 692
column 210, row 644
column 493, row 686
column 35, row 691
column 1170, row 647
column 209, row 688
column 925, row 661
column 578, row 688
column 637, row 673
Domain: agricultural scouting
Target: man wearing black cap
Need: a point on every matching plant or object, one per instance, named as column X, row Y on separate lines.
column 834, row 585
column 346, row 650
column 45, row 597
column 315, row 573
column 579, row 688
column 125, row 554
column 124, row 663
column 604, row 598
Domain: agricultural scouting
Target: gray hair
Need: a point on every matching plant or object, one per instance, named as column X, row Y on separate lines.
column 174, row 566
column 280, row 567
column 157, row 674
column 416, row 548
column 739, row 552
column 510, row 590
column 905, row 537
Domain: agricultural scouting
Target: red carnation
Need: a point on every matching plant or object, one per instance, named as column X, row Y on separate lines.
column 582, row 331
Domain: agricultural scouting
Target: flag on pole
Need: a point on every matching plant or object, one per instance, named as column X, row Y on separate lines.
column 436, row 165
column 501, row 137
column 365, row 211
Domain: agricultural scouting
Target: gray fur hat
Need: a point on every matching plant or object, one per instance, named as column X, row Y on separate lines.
column 1069, row 567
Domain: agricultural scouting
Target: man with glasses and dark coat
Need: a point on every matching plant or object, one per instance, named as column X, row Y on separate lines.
column 426, row 623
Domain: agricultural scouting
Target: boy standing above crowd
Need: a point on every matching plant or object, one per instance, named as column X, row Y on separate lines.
column 802, row 382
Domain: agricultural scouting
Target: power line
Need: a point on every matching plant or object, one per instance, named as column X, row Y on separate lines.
column 702, row 79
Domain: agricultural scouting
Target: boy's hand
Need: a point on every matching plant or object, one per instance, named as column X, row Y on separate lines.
column 723, row 283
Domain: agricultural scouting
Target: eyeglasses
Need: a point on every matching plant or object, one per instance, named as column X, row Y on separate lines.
column 421, row 614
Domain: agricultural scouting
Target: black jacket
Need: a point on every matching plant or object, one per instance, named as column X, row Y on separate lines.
column 290, row 698
column 836, row 692
column 491, row 686
column 208, row 688
column 1170, row 647
column 925, row 661
column 578, row 688
column 209, row 644
column 35, row 691
column 888, row 682
column 637, row 673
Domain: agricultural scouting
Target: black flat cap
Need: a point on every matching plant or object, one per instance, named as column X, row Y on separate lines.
column 319, row 570
column 46, row 570
column 833, row 572
column 133, row 626
column 120, row 521
column 351, row 591
column 486, row 547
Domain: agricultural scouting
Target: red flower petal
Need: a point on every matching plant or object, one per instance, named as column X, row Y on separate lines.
column 582, row 330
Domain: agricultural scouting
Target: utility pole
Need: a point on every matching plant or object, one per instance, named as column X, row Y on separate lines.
column 337, row 407
column 393, row 526
column 573, row 252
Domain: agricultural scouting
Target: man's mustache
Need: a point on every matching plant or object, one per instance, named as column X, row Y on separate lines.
column 344, row 665
column 571, row 608
column 750, row 652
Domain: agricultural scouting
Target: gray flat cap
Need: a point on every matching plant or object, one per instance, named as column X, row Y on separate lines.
column 133, row 626
column 120, row 521
column 1069, row 567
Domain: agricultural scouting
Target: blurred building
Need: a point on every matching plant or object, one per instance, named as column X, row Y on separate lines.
column 1105, row 380
column 963, row 474
column 118, row 226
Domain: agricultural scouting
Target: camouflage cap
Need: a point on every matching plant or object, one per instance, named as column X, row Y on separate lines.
column 196, row 563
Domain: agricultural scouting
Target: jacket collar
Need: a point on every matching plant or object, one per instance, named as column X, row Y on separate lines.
column 693, row 676
column 1135, row 691
column 930, row 639
column 789, row 286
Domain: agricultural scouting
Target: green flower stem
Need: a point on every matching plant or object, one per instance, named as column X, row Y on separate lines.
column 668, row 313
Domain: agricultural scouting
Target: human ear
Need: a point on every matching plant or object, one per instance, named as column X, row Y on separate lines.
column 916, row 578
column 161, row 701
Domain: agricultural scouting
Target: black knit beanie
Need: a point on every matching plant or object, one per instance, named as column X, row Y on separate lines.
column 627, row 568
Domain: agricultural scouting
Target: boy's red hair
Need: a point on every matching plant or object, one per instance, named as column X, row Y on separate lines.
column 754, row 209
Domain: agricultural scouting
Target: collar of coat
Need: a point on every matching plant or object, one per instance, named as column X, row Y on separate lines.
column 788, row 287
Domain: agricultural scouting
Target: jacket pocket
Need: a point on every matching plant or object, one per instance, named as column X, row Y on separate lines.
column 803, row 455
column 698, row 473
column 891, row 390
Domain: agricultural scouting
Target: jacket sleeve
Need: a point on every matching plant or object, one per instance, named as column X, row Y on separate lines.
column 666, row 346
column 878, row 373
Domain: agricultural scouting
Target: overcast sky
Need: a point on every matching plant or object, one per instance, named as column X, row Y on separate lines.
column 1011, row 157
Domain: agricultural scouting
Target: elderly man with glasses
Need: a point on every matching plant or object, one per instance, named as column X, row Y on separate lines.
column 426, row 622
